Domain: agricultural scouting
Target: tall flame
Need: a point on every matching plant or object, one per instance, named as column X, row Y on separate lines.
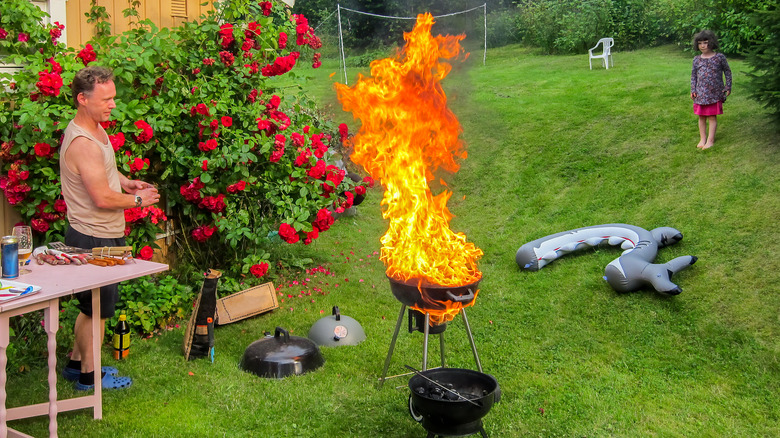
column 407, row 133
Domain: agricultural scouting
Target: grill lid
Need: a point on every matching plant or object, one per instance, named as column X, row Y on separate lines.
column 337, row 330
column 281, row 355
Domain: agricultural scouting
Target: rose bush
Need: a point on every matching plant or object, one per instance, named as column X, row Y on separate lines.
column 210, row 112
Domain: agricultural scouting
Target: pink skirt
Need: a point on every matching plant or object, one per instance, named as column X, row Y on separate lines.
column 712, row 109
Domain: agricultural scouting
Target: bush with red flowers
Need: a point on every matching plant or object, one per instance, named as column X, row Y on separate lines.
column 209, row 111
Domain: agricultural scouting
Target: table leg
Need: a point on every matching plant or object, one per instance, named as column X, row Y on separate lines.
column 52, row 322
column 97, row 343
column 4, row 341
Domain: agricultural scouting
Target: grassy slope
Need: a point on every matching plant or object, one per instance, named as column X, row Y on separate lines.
column 552, row 146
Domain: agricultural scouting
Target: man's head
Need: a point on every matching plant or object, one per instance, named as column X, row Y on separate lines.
column 86, row 79
column 94, row 92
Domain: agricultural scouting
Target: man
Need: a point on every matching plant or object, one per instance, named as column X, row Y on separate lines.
column 93, row 190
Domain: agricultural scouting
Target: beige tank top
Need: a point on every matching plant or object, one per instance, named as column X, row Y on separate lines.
column 83, row 215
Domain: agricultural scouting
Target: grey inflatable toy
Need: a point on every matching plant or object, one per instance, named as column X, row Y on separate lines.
column 631, row 271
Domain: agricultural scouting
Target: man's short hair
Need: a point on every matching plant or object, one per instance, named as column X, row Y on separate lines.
column 86, row 78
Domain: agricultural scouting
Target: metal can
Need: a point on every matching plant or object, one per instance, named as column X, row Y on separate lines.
column 10, row 253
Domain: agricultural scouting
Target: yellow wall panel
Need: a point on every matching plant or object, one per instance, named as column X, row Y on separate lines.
column 160, row 12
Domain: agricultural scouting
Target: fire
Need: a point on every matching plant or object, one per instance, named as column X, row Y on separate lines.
column 407, row 133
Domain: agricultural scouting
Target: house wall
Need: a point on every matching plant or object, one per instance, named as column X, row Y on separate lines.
column 163, row 13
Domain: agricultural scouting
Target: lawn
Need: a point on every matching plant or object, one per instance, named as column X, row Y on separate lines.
column 552, row 146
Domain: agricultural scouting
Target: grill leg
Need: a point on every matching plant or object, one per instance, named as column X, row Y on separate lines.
column 441, row 349
column 471, row 339
column 425, row 341
column 392, row 345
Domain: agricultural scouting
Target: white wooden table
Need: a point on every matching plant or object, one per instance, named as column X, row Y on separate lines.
column 55, row 282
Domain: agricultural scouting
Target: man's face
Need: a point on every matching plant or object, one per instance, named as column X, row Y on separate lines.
column 99, row 103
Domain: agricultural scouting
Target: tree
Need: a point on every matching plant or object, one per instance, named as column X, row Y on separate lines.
column 765, row 60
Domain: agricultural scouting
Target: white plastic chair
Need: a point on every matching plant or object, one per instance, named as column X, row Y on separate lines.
column 605, row 56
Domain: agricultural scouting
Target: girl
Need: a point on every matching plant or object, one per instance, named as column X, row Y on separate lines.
column 707, row 89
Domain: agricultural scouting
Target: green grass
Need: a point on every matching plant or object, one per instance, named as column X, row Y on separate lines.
column 552, row 146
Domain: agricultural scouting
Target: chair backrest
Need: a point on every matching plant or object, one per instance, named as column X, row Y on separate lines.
column 608, row 43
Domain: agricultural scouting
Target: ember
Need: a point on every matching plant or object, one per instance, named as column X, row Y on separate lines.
column 407, row 133
column 434, row 392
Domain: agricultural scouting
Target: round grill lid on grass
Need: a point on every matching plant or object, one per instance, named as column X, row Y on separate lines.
column 281, row 355
column 337, row 330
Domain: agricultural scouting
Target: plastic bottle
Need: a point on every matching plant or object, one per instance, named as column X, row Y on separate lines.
column 121, row 338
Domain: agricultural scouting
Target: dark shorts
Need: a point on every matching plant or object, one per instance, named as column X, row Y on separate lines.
column 109, row 295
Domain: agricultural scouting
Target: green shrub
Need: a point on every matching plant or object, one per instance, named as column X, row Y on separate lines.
column 765, row 60
column 211, row 112
column 152, row 303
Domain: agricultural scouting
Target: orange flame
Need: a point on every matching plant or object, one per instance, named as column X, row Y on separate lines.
column 407, row 133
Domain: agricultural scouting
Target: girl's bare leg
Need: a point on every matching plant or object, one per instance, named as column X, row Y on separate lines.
column 702, row 132
column 713, row 122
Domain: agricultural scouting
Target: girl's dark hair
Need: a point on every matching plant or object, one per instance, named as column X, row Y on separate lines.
column 86, row 78
column 705, row 35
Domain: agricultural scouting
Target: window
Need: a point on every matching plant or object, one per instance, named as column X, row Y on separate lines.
column 179, row 8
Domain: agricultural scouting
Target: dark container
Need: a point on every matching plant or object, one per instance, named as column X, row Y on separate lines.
column 281, row 355
column 433, row 297
column 452, row 416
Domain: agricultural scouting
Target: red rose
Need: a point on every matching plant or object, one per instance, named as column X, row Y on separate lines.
column 259, row 270
column 146, row 253
column 60, row 206
column 324, row 220
column 360, row 190
column 227, row 58
column 49, row 84
column 214, row 204
column 117, row 141
column 311, row 235
column 237, row 187
column 343, row 131
column 288, row 233
column 318, row 170
column 252, row 95
column 39, row 225
column 282, row 40
column 146, row 132
column 55, row 66
column 42, row 150
column 298, row 139
column 87, row 54
column 278, row 152
column 281, row 118
column 203, row 232
column 303, row 157
column 281, row 65
column 201, row 109
column 226, row 33
column 266, row 6
column 227, row 121
column 205, row 165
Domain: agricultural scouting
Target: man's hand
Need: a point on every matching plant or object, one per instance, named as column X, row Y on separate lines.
column 149, row 195
column 133, row 185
